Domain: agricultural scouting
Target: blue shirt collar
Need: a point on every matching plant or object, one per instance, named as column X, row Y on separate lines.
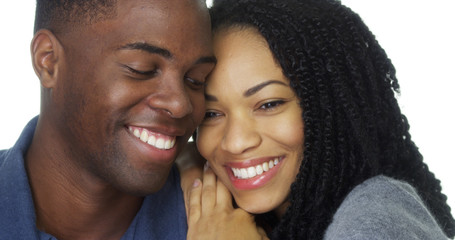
column 162, row 215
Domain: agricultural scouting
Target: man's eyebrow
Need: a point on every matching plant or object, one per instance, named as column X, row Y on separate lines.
column 260, row 86
column 148, row 48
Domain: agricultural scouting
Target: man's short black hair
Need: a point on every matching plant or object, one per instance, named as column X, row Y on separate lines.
column 63, row 15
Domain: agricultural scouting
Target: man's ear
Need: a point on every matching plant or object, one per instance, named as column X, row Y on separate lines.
column 46, row 49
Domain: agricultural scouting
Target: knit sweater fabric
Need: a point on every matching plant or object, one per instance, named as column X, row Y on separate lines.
column 383, row 208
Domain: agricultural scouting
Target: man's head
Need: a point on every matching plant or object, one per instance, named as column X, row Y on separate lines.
column 63, row 15
column 122, row 85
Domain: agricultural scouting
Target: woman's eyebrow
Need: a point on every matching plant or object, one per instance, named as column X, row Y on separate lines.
column 249, row 91
column 260, row 86
column 211, row 98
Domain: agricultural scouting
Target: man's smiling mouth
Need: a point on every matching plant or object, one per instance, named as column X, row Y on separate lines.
column 156, row 140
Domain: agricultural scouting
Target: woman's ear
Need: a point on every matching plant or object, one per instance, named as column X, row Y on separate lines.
column 45, row 50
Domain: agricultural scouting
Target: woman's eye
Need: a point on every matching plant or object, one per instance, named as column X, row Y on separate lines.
column 210, row 115
column 271, row 105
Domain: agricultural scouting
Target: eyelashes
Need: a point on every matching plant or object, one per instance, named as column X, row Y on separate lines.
column 144, row 75
column 195, row 84
column 211, row 115
column 269, row 106
column 149, row 73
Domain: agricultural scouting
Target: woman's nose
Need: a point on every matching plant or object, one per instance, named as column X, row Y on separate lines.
column 240, row 136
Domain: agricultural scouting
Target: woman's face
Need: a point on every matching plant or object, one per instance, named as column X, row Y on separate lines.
column 252, row 134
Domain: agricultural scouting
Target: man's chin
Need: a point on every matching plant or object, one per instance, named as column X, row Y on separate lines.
column 145, row 185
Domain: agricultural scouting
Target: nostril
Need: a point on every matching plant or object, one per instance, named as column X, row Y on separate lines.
column 180, row 106
column 173, row 99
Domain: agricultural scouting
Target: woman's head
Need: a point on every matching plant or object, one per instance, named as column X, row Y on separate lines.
column 346, row 86
column 252, row 133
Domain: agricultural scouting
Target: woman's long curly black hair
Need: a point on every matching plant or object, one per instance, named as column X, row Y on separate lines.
column 354, row 128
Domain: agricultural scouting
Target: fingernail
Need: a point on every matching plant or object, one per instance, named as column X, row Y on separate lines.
column 206, row 165
column 196, row 183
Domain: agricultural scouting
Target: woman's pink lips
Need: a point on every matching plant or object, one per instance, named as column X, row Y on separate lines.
column 254, row 182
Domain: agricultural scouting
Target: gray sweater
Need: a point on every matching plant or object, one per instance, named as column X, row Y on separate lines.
column 383, row 208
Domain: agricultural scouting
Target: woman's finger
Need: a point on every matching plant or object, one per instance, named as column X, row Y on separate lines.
column 223, row 196
column 187, row 178
column 194, row 208
column 208, row 190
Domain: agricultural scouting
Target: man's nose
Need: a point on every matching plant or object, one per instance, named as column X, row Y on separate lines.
column 172, row 97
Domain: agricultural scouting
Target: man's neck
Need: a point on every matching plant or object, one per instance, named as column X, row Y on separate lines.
column 71, row 203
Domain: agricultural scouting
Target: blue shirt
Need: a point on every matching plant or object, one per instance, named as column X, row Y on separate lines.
column 162, row 215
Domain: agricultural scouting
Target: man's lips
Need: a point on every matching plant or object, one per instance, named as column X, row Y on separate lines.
column 157, row 140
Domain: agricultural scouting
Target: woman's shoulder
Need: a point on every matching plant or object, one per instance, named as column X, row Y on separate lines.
column 383, row 208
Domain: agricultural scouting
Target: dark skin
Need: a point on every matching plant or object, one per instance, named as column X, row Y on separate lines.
column 144, row 68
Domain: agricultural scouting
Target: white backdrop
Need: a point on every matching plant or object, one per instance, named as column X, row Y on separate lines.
column 418, row 36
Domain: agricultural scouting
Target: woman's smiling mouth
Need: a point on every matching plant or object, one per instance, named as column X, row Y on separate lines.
column 247, row 176
column 253, row 171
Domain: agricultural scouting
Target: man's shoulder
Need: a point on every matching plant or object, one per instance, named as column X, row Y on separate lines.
column 383, row 208
column 16, row 205
column 5, row 154
column 18, row 150
column 2, row 156
column 6, row 159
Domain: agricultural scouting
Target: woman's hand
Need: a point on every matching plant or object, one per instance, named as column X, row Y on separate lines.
column 190, row 164
column 212, row 216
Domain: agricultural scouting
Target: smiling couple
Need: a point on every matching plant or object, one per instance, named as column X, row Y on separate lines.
column 298, row 122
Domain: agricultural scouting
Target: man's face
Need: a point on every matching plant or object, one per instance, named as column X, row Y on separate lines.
column 130, row 91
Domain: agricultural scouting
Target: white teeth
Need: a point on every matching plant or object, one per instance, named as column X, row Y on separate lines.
column 243, row 173
column 259, row 170
column 250, row 172
column 167, row 144
column 152, row 140
column 160, row 143
column 265, row 167
column 144, row 136
column 137, row 133
column 237, row 172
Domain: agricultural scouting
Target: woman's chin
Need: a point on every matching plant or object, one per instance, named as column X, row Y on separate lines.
column 256, row 208
column 258, row 204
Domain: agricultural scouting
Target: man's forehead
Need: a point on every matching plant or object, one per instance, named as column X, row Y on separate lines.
column 162, row 5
